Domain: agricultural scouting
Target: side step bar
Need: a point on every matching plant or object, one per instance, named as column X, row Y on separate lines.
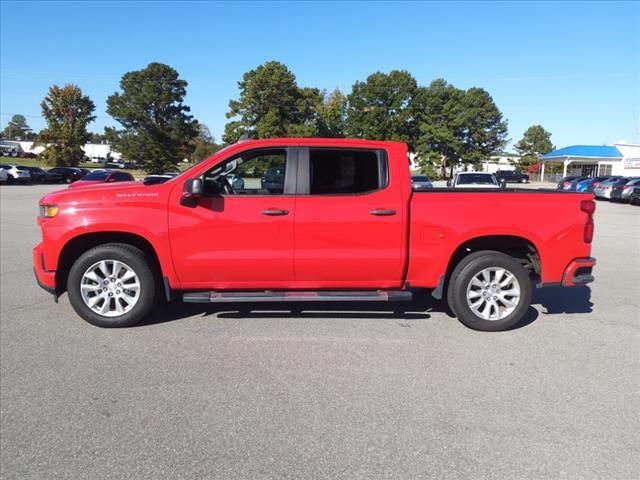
column 301, row 296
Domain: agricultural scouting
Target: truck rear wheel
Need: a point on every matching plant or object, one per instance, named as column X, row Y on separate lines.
column 489, row 291
column 112, row 285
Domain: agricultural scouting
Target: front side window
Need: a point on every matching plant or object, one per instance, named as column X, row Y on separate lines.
column 258, row 172
column 343, row 172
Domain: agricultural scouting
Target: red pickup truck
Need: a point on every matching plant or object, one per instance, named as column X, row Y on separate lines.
column 309, row 220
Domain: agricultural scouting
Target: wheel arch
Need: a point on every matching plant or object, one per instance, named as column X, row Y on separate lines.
column 86, row 241
column 520, row 248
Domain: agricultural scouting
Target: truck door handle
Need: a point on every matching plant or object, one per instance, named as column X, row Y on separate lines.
column 382, row 213
column 275, row 212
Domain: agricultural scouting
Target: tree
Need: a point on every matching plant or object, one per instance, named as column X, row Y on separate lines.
column 18, row 129
column 457, row 125
column 535, row 141
column 439, row 111
column 272, row 105
column 67, row 113
column 485, row 130
column 157, row 131
column 204, row 144
column 381, row 108
column 332, row 115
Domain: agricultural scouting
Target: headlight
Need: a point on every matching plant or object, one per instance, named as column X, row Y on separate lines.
column 48, row 211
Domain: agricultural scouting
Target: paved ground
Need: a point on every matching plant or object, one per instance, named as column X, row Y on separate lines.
column 207, row 393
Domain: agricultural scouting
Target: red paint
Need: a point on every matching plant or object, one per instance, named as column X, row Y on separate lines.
column 331, row 241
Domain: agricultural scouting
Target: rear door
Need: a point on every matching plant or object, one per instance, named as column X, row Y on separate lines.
column 349, row 220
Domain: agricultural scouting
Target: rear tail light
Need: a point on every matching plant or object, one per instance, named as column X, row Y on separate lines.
column 626, row 187
column 596, row 184
column 588, row 207
column 564, row 184
column 588, row 231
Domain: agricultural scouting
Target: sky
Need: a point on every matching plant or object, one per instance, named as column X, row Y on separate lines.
column 572, row 67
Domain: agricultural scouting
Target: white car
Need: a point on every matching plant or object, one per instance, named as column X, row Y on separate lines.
column 17, row 174
column 474, row 180
column 4, row 176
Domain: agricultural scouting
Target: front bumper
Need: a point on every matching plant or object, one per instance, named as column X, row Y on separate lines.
column 579, row 272
column 46, row 278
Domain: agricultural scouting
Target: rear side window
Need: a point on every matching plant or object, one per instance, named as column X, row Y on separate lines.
column 344, row 172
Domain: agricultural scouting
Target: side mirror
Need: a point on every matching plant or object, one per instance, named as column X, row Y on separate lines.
column 503, row 183
column 448, row 183
column 191, row 192
column 193, row 187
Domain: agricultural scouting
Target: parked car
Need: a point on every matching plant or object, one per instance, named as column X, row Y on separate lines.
column 634, row 198
column 17, row 174
column 587, row 184
column 236, row 181
column 102, row 176
column 620, row 192
column 511, row 176
column 603, row 190
column 420, row 182
column 474, row 180
column 4, row 176
column 42, row 176
column 564, row 184
column 273, row 180
column 157, row 179
column 346, row 227
column 69, row 174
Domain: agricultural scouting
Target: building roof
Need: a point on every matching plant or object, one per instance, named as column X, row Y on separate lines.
column 587, row 151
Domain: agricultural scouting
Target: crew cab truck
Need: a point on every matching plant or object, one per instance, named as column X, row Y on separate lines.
column 341, row 223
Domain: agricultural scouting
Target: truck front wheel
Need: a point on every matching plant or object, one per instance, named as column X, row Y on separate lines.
column 112, row 285
column 489, row 291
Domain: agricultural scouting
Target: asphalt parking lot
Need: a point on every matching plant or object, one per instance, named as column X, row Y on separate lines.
column 219, row 392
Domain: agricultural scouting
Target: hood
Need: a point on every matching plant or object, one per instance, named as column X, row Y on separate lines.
column 101, row 192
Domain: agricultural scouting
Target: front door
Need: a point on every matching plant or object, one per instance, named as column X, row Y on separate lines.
column 239, row 235
column 349, row 220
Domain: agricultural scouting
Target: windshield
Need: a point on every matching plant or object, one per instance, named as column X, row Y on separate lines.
column 97, row 176
column 476, row 178
column 419, row 178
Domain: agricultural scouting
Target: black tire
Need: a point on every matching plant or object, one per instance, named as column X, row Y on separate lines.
column 466, row 270
column 132, row 257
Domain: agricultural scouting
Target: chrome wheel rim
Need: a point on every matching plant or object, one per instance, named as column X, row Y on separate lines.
column 110, row 288
column 493, row 293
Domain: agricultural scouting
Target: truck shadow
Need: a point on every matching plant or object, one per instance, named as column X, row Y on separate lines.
column 420, row 308
column 563, row 300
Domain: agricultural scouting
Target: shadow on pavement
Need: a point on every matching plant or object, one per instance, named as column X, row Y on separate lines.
column 417, row 309
column 563, row 300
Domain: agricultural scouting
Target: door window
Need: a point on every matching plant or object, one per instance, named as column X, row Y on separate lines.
column 258, row 172
column 344, row 172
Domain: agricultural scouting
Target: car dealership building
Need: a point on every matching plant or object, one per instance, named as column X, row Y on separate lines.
column 593, row 160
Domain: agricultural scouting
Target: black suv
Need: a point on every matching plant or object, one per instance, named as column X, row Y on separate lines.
column 511, row 176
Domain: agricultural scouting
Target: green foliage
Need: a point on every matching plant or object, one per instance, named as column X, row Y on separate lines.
column 485, row 131
column 457, row 125
column 272, row 105
column 204, row 144
column 535, row 141
column 18, row 129
column 67, row 113
column 381, row 108
column 157, row 131
column 332, row 115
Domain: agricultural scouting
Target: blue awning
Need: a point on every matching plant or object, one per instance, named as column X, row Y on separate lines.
column 584, row 151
